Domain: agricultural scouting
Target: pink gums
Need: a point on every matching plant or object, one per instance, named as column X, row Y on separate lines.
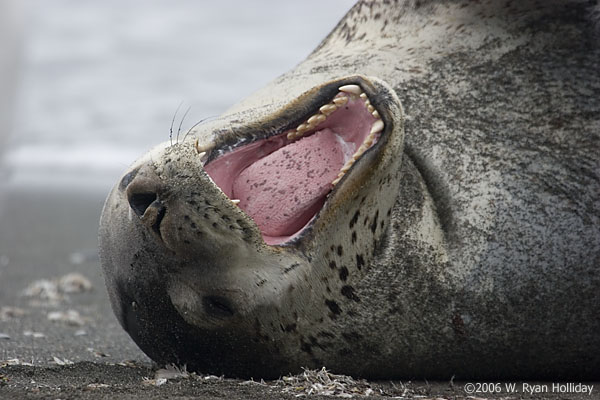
column 283, row 185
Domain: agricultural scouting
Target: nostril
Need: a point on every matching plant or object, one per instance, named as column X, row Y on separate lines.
column 128, row 178
column 140, row 202
column 217, row 306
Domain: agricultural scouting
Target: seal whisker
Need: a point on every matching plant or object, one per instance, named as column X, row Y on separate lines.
column 181, row 122
column 195, row 125
column 173, row 122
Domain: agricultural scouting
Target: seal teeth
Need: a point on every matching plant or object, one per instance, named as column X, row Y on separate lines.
column 376, row 127
column 352, row 89
column 340, row 100
column 346, row 93
column 316, row 119
column 235, row 201
column 204, row 148
column 328, row 109
column 375, row 131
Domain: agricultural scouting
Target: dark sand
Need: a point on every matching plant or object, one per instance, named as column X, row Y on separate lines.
column 46, row 234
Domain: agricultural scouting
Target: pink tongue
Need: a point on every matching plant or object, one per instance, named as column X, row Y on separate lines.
column 283, row 190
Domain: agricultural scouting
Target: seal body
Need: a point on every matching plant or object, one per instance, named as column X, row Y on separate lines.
column 464, row 240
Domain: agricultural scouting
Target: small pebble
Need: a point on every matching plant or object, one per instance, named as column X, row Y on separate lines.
column 69, row 317
column 35, row 335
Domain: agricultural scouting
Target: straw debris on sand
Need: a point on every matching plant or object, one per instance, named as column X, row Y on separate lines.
column 323, row 382
column 57, row 290
column 309, row 383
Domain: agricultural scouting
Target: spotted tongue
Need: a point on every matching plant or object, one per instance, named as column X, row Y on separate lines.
column 283, row 190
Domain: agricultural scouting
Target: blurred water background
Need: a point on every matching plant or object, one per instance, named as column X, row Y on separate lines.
column 98, row 82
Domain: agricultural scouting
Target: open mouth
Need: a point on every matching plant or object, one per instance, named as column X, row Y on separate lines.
column 282, row 181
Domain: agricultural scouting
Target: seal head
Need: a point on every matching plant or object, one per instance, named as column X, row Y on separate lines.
column 216, row 252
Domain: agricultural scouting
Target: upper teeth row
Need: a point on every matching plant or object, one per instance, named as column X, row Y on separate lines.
column 326, row 110
column 340, row 100
column 376, row 129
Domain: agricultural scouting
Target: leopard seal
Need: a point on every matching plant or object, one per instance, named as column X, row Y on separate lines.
column 419, row 198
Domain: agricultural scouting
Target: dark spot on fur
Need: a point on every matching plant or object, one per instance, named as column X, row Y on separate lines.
column 458, row 325
column 291, row 268
column 332, row 265
column 344, row 274
column 340, row 250
column 326, row 334
column 353, row 237
column 389, row 212
column 374, row 224
column 288, row 328
column 333, row 307
column 352, row 336
column 348, row 291
column 354, row 219
column 360, row 261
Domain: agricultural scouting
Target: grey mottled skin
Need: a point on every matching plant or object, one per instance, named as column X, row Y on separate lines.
column 468, row 246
